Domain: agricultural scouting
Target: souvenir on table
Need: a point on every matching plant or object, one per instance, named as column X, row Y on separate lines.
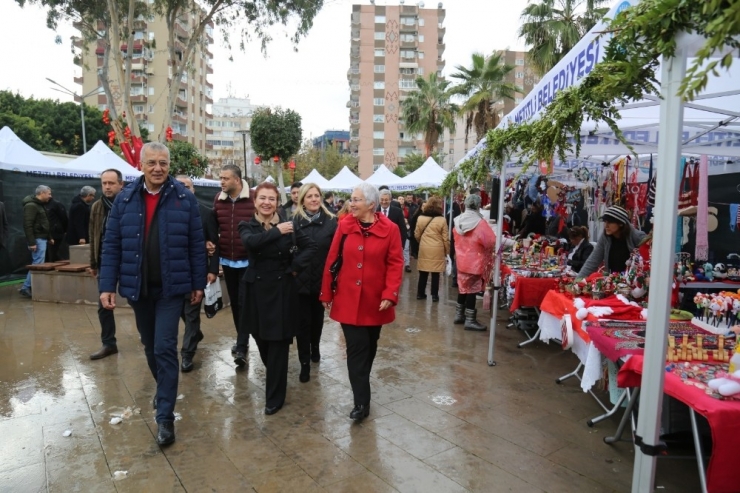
column 717, row 310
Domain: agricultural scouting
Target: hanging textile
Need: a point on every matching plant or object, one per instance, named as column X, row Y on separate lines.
column 679, row 225
column 733, row 216
column 702, row 213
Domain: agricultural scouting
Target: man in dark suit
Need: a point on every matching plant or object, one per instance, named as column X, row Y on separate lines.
column 395, row 214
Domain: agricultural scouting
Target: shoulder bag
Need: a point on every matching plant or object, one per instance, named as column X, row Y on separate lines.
column 335, row 267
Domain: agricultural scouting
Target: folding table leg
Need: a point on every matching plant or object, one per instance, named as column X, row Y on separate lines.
column 609, row 412
column 698, row 450
column 627, row 416
column 574, row 373
column 535, row 337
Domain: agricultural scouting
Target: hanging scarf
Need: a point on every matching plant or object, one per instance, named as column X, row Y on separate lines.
column 107, row 205
column 702, row 213
column 679, row 224
column 733, row 216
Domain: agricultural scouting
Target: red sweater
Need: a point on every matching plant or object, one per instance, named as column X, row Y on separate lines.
column 150, row 206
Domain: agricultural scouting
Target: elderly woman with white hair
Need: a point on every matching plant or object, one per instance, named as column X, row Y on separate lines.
column 360, row 286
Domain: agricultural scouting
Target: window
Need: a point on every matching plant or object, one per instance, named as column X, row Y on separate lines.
column 421, row 38
column 420, row 54
column 102, row 107
column 379, row 36
column 420, row 71
column 379, row 135
column 151, row 108
column 517, row 100
column 378, row 101
column 138, row 108
column 378, row 151
column 379, row 69
column 421, row 21
column 408, row 38
column 519, row 75
column 379, row 85
column 378, row 119
column 150, row 127
column 375, row 167
column 137, row 90
column 151, row 91
column 408, row 54
column 408, row 21
column 380, row 52
column 380, row 19
column 520, row 61
column 406, row 84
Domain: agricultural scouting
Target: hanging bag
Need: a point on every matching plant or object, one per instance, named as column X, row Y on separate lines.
column 213, row 298
column 337, row 265
column 686, row 192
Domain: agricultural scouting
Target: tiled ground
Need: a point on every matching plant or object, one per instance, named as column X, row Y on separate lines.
column 442, row 419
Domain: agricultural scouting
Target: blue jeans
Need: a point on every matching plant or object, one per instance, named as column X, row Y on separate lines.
column 157, row 319
column 37, row 257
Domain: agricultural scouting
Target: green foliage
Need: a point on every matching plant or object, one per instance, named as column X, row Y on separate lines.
column 327, row 161
column 483, row 84
column 428, row 110
column 276, row 132
column 186, row 160
column 48, row 125
column 626, row 74
column 552, row 29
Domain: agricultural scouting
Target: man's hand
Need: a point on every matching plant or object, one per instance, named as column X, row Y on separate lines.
column 51, row 241
column 211, row 278
column 82, row 241
column 93, row 272
column 196, row 296
column 32, row 248
column 210, row 248
column 108, row 300
column 285, row 228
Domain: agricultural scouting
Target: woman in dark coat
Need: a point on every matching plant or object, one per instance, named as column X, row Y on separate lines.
column 580, row 247
column 314, row 219
column 269, row 297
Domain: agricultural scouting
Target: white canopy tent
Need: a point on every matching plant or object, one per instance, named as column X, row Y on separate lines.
column 384, row 176
column 16, row 155
column 315, row 177
column 101, row 158
column 429, row 174
column 344, row 181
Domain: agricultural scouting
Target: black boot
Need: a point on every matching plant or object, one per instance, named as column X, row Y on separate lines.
column 305, row 372
column 315, row 354
column 459, row 314
column 471, row 323
column 360, row 412
column 165, row 433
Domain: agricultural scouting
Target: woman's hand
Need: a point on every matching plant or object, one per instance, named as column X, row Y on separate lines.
column 327, row 305
column 385, row 304
column 285, row 228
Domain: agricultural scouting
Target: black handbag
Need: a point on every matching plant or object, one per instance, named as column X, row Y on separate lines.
column 336, row 266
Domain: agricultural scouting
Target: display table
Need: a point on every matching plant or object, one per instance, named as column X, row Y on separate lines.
column 723, row 417
column 530, row 291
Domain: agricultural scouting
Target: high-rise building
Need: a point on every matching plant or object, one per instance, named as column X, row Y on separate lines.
column 150, row 76
column 338, row 139
column 391, row 46
column 230, row 124
column 455, row 145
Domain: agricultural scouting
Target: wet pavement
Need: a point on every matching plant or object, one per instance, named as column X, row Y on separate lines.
column 441, row 418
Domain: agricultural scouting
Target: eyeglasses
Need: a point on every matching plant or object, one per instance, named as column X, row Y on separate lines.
column 356, row 200
column 152, row 163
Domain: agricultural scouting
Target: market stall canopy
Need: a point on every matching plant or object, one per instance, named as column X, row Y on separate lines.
column 344, row 181
column 16, row 155
column 101, row 158
column 269, row 179
column 429, row 174
column 384, row 176
column 315, row 177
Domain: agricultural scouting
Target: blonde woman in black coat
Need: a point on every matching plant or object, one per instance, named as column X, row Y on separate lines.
column 316, row 221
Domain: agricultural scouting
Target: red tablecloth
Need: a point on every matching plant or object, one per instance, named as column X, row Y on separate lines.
column 530, row 291
column 723, row 417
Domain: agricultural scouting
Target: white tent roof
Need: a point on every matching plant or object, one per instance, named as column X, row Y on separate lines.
column 269, row 179
column 315, row 177
column 384, row 176
column 101, row 158
column 16, row 155
column 429, row 174
column 345, row 181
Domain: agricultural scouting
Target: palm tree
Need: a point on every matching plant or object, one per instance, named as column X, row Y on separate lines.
column 428, row 110
column 483, row 84
column 553, row 27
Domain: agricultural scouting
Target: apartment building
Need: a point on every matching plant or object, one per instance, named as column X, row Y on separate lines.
column 391, row 45
column 338, row 139
column 523, row 76
column 229, row 128
column 150, row 77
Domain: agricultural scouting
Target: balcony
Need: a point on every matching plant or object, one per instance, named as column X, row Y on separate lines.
column 209, row 68
column 180, row 30
column 353, row 71
column 209, row 146
column 352, row 87
column 354, row 122
column 209, row 98
column 409, row 44
column 353, row 104
column 140, row 25
column 180, row 137
column 441, row 30
column 139, row 98
column 209, row 84
column 209, row 131
column 440, row 48
column 180, row 118
column 138, row 79
column 79, row 80
column 209, row 116
column 180, row 102
column 141, row 117
column 356, row 19
column 354, row 54
column 408, row 25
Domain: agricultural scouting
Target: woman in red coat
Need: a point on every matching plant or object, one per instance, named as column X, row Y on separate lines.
column 367, row 285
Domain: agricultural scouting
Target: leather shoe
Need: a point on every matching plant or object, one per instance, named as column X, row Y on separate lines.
column 360, row 412
column 421, row 296
column 305, row 375
column 315, row 354
column 272, row 410
column 103, row 352
column 187, row 364
column 154, row 402
column 240, row 359
column 165, row 432
column 435, row 299
column 408, row 268
column 233, row 349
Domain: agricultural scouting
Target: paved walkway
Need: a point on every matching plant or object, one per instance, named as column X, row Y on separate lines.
column 441, row 420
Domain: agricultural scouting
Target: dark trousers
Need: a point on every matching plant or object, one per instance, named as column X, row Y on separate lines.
column 232, row 277
column 311, row 325
column 362, row 344
column 467, row 299
column 423, row 276
column 107, row 326
column 158, row 319
column 274, row 355
column 52, row 251
column 193, row 335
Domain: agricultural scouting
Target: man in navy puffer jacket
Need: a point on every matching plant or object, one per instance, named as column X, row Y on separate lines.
column 153, row 251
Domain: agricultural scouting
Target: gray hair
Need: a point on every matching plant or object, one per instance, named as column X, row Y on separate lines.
column 385, row 192
column 86, row 191
column 472, row 201
column 372, row 196
column 155, row 147
column 42, row 189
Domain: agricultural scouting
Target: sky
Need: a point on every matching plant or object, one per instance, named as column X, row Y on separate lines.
column 311, row 81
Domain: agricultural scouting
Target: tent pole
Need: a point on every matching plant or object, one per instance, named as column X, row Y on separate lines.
column 497, row 263
column 664, row 233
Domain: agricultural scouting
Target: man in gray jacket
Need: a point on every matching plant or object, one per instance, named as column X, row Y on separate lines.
column 615, row 245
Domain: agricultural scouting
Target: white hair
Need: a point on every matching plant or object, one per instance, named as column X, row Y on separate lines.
column 385, row 192
column 155, row 147
column 372, row 196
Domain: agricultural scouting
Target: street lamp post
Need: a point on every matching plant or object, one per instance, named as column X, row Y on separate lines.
column 244, row 134
column 82, row 107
